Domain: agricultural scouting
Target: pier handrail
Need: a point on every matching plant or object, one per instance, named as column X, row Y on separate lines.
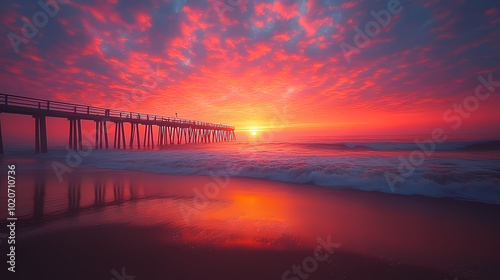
column 37, row 103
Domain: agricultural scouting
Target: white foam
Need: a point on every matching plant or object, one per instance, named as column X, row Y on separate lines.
column 462, row 178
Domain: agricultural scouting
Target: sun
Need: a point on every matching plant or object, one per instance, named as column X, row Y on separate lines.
column 254, row 131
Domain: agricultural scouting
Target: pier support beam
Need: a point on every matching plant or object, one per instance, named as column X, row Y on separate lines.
column 134, row 131
column 190, row 134
column 206, row 136
column 171, row 135
column 162, row 137
column 101, row 135
column 148, row 136
column 75, row 134
column 196, row 135
column 40, row 134
column 179, row 134
column 119, row 136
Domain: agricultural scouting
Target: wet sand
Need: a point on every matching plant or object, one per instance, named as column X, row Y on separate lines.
column 197, row 227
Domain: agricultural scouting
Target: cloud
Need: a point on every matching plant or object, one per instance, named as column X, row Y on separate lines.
column 261, row 53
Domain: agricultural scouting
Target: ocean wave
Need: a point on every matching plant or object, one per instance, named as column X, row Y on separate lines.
column 486, row 145
column 460, row 178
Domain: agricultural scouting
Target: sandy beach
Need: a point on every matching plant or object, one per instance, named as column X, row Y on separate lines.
column 154, row 226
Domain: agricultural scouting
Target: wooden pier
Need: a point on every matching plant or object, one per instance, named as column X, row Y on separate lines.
column 170, row 130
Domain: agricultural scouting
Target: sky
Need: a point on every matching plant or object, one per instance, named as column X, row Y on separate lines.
column 301, row 67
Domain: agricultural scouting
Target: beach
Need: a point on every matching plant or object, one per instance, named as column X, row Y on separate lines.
column 102, row 223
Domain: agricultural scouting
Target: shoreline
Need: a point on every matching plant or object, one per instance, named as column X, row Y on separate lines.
column 44, row 165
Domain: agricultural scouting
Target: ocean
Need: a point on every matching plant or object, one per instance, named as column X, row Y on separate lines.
column 459, row 169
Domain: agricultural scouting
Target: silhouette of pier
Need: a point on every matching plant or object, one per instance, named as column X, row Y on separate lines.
column 170, row 130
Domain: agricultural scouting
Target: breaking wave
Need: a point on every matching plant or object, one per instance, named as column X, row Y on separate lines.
column 461, row 177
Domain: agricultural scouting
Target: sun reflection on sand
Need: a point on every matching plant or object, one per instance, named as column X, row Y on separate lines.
column 248, row 220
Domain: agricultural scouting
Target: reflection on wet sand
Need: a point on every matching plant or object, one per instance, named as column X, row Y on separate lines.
column 74, row 196
column 100, row 194
column 234, row 218
column 118, row 189
column 83, row 196
column 39, row 199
